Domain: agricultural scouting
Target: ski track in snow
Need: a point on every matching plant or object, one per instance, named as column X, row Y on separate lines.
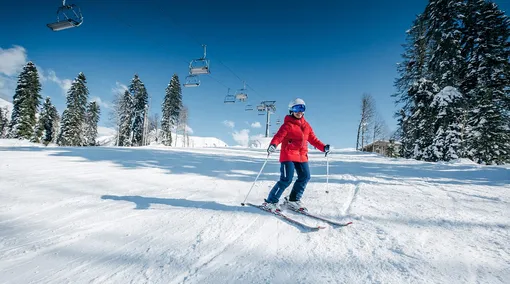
column 142, row 215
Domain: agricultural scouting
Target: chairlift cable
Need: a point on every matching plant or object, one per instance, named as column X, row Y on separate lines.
column 209, row 75
column 187, row 62
column 219, row 61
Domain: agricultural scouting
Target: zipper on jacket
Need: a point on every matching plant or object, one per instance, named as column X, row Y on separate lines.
column 302, row 139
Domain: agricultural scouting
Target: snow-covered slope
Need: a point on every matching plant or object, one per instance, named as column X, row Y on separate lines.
column 106, row 137
column 6, row 104
column 173, row 215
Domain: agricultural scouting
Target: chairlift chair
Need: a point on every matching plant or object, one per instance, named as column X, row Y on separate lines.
column 261, row 109
column 278, row 122
column 68, row 16
column 199, row 66
column 241, row 94
column 248, row 108
column 192, row 81
column 229, row 99
column 241, row 97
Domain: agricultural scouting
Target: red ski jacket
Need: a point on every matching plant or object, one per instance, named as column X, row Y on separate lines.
column 294, row 134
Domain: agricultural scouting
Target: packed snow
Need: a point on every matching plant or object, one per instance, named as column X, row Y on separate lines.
column 174, row 215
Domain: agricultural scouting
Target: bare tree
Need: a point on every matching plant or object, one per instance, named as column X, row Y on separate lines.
column 181, row 125
column 183, row 120
column 114, row 115
column 367, row 113
column 153, row 126
column 379, row 129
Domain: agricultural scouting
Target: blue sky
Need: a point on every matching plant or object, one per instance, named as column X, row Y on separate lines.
column 326, row 52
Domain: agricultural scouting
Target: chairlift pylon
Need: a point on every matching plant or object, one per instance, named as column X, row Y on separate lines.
column 241, row 93
column 192, row 81
column 199, row 66
column 68, row 16
column 229, row 99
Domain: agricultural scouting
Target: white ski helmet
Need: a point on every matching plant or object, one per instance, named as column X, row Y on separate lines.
column 297, row 102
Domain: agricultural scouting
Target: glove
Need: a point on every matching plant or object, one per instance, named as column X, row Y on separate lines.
column 271, row 148
column 326, row 149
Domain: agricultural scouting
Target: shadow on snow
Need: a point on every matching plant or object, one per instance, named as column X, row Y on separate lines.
column 239, row 164
column 143, row 203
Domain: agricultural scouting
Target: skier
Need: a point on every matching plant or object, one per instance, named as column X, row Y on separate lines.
column 294, row 135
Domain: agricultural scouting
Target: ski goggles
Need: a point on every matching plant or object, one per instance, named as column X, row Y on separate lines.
column 298, row 108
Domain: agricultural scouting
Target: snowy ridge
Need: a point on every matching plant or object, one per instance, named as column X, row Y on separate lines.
column 6, row 104
column 173, row 215
column 106, row 137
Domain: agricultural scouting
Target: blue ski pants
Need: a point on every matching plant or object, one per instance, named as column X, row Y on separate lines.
column 286, row 175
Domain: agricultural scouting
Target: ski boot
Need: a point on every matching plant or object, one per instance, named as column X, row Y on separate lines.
column 295, row 205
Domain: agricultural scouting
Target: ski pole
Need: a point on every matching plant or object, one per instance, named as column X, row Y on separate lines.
column 265, row 162
column 327, row 173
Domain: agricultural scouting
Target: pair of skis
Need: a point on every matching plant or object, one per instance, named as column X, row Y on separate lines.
column 299, row 223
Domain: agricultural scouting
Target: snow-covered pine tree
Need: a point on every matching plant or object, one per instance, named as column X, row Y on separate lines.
column 403, row 134
column 170, row 109
column 487, row 81
column 420, row 124
column 390, row 151
column 48, row 117
column 91, row 121
column 175, row 102
column 140, row 100
column 73, row 118
column 486, row 32
column 26, row 101
column 445, row 66
column 166, row 122
column 412, row 69
column 125, row 116
column 447, row 141
column 443, row 38
column 55, row 126
column 38, row 132
column 4, row 122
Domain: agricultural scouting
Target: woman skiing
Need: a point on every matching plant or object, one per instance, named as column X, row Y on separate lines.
column 294, row 135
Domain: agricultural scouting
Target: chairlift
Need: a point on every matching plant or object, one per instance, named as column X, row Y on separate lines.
column 248, row 108
column 192, row 81
column 241, row 93
column 278, row 122
column 261, row 109
column 68, row 16
column 199, row 66
column 229, row 99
